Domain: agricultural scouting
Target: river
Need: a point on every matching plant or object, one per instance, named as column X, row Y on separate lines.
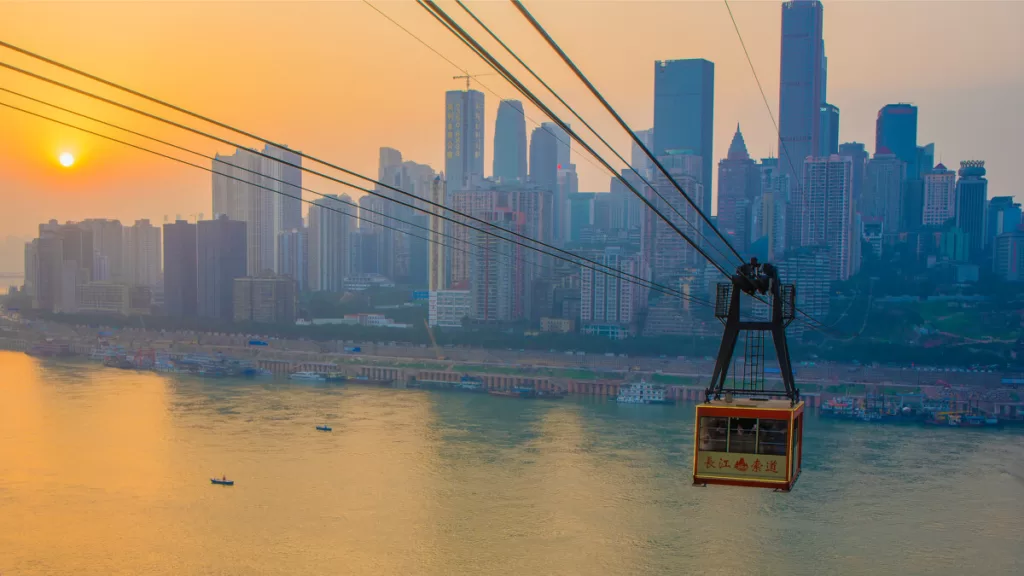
column 107, row 472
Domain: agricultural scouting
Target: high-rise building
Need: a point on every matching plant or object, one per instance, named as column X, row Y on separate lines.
column 808, row 269
column 883, row 190
column 1004, row 215
column 284, row 177
column 828, row 140
column 181, row 283
column 510, row 143
column 801, row 88
column 669, row 254
column 771, row 215
column 1008, row 256
column 241, row 192
column 739, row 185
column 63, row 262
column 464, row 138
column 266, row 299
column 544, row 150
column 108, row 243
column 939, row 196
column 437, row 272
column 896, row 130
column 828, row 211
column 222, row 256
column 639, row 161
column 496, row 292
column 856, row 152
column 581, row 214
column 609, row 300
column 142, row 254
column 330, row 229
column 684, row 114
column 971, row 199
column 292, row 256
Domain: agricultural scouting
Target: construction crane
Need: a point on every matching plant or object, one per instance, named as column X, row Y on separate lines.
column 469, row 77
column 437, row 351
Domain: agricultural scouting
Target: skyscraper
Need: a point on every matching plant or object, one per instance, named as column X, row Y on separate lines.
column 939, row 196
column 544, row 171
column 510, row 143
column 330, row 227
column 464, row 138
column 859, row 155
column 640, row 162
column 739, row 184
column 669, row 254
column 684, row 113
column 287, row 204
column 180, row 269
column 1004, row 215
column 828, row 213
column 292, row 256
column 142, row 254
column 108, row 243
column 240, row 192
column 437, row 272
column 497, row 292
column 971, row 198
column 608, row 302
column 828, row 141
column 896, row 130
column 220, row 245
column 801, row 91
column 883, row 190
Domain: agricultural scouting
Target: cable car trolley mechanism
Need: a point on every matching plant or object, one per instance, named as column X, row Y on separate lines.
column 747, row 434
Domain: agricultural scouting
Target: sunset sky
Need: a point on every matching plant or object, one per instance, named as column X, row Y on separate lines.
column 337, row 80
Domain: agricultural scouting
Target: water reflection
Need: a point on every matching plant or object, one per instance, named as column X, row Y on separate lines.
column 105, row 471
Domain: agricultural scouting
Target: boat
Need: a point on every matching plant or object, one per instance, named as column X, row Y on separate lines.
column 372, row 382
column 556, row 394
column 515, row 392
column 335, row 377
column 470, row 384
column 324, row 428
column 643, row 393
column 222, row 481
column 307, row 377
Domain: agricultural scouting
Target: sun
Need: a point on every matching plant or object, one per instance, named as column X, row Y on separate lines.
column 66, row 159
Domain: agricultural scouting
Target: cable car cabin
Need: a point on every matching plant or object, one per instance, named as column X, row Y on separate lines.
column 748, row 442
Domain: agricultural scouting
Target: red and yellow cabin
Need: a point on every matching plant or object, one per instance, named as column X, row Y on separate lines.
column 748, row 442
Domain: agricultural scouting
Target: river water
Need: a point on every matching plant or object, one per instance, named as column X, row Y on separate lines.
column 107, row 472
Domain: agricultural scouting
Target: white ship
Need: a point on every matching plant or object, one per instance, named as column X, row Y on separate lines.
column 642, row 393
column 307, row 377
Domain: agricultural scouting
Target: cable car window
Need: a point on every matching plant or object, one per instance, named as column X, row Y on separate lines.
column 714, row 434
column 743, row 435
column 772, row 437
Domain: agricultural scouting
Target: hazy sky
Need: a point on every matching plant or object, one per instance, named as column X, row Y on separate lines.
column 337, row 80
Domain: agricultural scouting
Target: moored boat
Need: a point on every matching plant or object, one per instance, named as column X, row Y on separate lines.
column 307, row 377
column 642, row 393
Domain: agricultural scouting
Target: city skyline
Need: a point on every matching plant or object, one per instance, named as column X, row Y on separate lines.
column 108, row 176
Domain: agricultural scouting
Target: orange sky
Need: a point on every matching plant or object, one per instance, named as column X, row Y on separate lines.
column 337, row 80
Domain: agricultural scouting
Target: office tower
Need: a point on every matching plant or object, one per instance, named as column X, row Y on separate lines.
column 630, row 207
column 896, row 130
column 142, row 254
column 389, row 169
column 925, row 159
column 873, row 233
column 292, row 256
column 581, row 214
column 609, row 304
column 563, row 145
column 800, row 88
column 181, row 283
column 828, row 213
column 828, row 140
column 544, row 148
column 669, row 254
column 437, row 275
column 971, row 199
column 739, row 185
column 684, row 114
column 510, row 143
column 939, row 196
column 108, row 242
column 771, row 215
column 330, row 229
column 1004, row 215
column 221, row 257
column 63, row 256
column 30, row 267
column 1008, row 256
column 883, row 190
column 464, row 138
column 639, row 161
column 856, row 152
column 266, row 298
